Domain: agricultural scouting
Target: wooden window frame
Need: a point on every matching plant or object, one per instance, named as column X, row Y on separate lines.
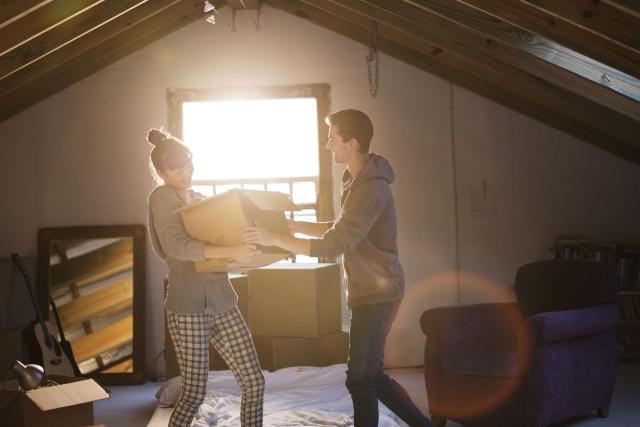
column 176, row 97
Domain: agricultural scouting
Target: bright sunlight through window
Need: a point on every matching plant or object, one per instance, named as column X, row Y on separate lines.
column 260, row 138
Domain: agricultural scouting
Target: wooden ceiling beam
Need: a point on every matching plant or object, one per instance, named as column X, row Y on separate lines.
column 100, row 26
column 481, row 32
column 437, row 61
column 460, row 51
column 607, row 18
column 133, row 33
column 568, row 34
column 13, row 10
column 41, row 21
column 629, row 6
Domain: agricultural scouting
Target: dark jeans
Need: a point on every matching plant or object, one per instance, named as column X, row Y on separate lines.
column 366, row 380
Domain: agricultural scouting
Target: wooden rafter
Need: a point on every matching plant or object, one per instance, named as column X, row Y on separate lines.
column 608, row 18
column 481, row 32
column 405, row 46
column 95, row 49
column 11, row 11
column 49, row 32
column 568, row 34
column 405, row 25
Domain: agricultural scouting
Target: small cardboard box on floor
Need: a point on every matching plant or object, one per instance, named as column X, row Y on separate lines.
column 282, row 352
column 68, row 404
column 220, row 220
column 295, row 300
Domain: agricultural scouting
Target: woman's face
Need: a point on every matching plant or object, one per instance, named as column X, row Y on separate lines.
column 179, row 178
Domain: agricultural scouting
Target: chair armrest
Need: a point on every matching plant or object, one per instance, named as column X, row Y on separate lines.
column 556, row 326
column 477, row 327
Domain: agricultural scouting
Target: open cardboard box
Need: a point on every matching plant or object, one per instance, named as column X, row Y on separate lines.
column 68, row 404
column 220, row 220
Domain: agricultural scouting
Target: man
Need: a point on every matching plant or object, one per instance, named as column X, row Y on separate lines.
column 365, row 232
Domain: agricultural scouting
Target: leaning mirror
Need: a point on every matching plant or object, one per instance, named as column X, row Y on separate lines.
column 92, row 277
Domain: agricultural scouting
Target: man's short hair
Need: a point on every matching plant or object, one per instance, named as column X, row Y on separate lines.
column 352, row 123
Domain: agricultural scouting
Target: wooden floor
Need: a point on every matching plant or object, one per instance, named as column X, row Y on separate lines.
column 132, row 406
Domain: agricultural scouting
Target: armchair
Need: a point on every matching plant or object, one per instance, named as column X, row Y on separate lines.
column 545, row 358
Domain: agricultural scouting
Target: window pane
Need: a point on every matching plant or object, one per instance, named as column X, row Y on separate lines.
column 259, row 138
column 281, row 187
column 308, row 215
column 206, row 190
column 304, row 192
column 223, row 188
column 254, row 187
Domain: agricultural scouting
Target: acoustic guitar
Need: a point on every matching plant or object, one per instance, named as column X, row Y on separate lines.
column 55, row 361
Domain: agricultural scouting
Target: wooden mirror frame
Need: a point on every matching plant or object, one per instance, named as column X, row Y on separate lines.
column 137, row 233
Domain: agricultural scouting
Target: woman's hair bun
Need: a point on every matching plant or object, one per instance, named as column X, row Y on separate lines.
column 156, row 136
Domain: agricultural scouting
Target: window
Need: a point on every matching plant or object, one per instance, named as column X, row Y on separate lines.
column 268, row 138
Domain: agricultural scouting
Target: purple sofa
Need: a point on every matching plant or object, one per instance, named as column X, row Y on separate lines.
column 548, row 357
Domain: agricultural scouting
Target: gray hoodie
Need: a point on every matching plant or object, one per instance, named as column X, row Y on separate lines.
column 365, row 232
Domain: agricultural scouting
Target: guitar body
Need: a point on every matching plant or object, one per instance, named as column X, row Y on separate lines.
column 54, row 360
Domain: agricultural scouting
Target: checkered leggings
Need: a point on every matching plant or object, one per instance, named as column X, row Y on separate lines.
column 230, row 337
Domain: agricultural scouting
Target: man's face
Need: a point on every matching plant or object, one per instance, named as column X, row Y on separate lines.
column 341, row 150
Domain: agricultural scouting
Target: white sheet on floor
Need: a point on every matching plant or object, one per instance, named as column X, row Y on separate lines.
column 297, row 396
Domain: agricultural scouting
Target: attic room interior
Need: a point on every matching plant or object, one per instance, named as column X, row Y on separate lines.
column 320, row 212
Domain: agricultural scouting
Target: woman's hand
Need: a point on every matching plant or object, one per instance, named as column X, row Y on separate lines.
column 244, row 253
column 257, row 236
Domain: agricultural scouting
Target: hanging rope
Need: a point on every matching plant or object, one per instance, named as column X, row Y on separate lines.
column 373, row 59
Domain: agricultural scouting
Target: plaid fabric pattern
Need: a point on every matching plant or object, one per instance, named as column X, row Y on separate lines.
column 230, row 336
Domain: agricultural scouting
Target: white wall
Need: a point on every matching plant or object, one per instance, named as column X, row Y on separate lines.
column 79, row 157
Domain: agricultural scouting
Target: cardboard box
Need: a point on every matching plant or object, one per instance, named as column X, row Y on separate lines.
column 220, row 220
column 280, row 352
column 240, row 284
column 69, row 404
column 295, row 300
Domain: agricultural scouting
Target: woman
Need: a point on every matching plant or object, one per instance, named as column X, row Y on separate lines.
column 201, row 307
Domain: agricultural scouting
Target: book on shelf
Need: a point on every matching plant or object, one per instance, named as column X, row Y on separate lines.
column 577, row 247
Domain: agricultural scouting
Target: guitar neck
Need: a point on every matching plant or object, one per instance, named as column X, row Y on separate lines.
column 17, row 261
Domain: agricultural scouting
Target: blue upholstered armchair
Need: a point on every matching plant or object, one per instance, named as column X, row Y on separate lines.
column 548, row 357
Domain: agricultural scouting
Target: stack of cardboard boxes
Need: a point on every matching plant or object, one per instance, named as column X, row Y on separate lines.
column 295, row 315
column 292, row 310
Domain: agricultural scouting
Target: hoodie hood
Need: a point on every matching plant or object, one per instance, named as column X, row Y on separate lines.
column 376, row 167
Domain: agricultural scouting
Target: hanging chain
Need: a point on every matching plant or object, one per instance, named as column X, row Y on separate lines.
column 373, row 59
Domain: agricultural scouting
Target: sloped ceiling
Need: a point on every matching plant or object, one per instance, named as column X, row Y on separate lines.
column 573, row 64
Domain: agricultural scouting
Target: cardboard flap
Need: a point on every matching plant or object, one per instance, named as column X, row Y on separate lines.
column 47, row 398
column 269, row 200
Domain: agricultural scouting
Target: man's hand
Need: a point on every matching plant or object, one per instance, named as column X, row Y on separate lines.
column 257, row 236
column 243, row 253
column 293, row 226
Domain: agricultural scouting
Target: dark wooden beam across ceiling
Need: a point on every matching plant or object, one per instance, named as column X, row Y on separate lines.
column 405, row 46
column 11, row 10
column 608, row 18
column 107, row 42
column 568, row 34
column 478, row 33
column 426, row 33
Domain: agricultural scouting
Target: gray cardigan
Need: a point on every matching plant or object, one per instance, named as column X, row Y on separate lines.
column 188, row 291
